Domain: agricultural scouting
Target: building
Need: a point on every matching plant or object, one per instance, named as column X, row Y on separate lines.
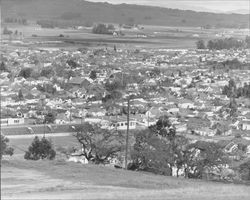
column 12, row 121
column 121, row 124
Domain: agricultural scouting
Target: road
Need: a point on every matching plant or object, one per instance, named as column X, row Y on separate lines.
column 39, row 135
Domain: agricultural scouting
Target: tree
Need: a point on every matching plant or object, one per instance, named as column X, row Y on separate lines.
column 201, row 156
column 47, row 72
column 93, row 75
column 20, row 95
column 247, row 40
column 5, row 149
column 3, row 66
column 233, row 107
column 40, row 149
column 158, row 149
column 226, row 43
column 244, row 170
column 6, row 31
column 230, row 90
column 25, row 72
column 72, row 64
column 98, row 145
column 200, row 44
column 50, row 118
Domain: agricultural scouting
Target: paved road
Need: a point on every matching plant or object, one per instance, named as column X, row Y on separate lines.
column 39, row 135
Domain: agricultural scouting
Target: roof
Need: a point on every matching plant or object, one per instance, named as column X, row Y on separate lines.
column 77, row 80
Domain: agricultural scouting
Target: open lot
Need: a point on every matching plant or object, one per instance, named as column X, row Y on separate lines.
column 64, row 180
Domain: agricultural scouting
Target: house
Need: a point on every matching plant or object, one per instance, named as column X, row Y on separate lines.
column 96, row 112
column 121, row 124
column 231, row 147
column 246, row 125
column 12, row 121
column 79, row 81
column 205, row 131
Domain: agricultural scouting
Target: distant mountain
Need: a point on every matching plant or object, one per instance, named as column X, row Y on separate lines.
column 84, row 11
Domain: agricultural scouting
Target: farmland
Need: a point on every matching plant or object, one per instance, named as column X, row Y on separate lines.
column 148, row 37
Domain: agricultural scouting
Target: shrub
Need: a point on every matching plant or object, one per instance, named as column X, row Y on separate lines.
column 5, row 149
column 40, row 149
column 200, row 44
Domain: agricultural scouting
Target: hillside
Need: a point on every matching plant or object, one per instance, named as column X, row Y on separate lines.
column 63, row 180
column 83, row 11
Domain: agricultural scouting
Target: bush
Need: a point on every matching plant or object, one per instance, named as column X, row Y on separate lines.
column 40, row 149
column 200, row 44
column 5, row 150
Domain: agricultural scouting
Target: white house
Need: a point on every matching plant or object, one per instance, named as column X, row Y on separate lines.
column 246, row 125
column 12, row 121
column 122, row 125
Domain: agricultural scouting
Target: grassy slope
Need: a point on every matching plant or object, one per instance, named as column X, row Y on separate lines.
column 96, row 12
column 58, row 179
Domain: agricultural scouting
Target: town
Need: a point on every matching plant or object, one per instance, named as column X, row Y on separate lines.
column 141, row 105
column 93, row 85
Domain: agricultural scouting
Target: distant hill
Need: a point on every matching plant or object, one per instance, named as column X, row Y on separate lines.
column 84, row 11
column 241, row 11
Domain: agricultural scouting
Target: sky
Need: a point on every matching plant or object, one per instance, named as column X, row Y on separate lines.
column 197, row 5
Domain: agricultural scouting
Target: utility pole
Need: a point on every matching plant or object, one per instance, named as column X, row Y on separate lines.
column 0, row 109
column 127, row 135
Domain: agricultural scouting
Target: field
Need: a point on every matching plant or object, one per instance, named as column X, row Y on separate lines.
column 64, row 180
column 149, row 37
column 21, row 144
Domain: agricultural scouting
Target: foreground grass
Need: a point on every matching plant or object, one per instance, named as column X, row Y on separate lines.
column 98, row 174
column 59, row 179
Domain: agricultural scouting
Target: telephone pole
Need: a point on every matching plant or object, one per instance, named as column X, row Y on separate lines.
column 127, row 135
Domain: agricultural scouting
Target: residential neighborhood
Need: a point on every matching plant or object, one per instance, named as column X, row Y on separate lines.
column 74, row 87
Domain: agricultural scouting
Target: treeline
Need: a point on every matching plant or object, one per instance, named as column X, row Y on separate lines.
column 232, row 91
column 103, row 29
column 234, row 64
column 225, row 43
column 16, row 20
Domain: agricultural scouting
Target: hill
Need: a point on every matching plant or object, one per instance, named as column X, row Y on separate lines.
column 63, row 180
column 84, row 11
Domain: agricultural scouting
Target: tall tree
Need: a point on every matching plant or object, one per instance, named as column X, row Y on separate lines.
column 159, row 149
column 5, row 149
column 201, row 156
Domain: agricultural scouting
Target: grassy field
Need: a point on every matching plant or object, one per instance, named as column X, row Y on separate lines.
column 157, row 37
column 21, row 144
column 65, row 180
